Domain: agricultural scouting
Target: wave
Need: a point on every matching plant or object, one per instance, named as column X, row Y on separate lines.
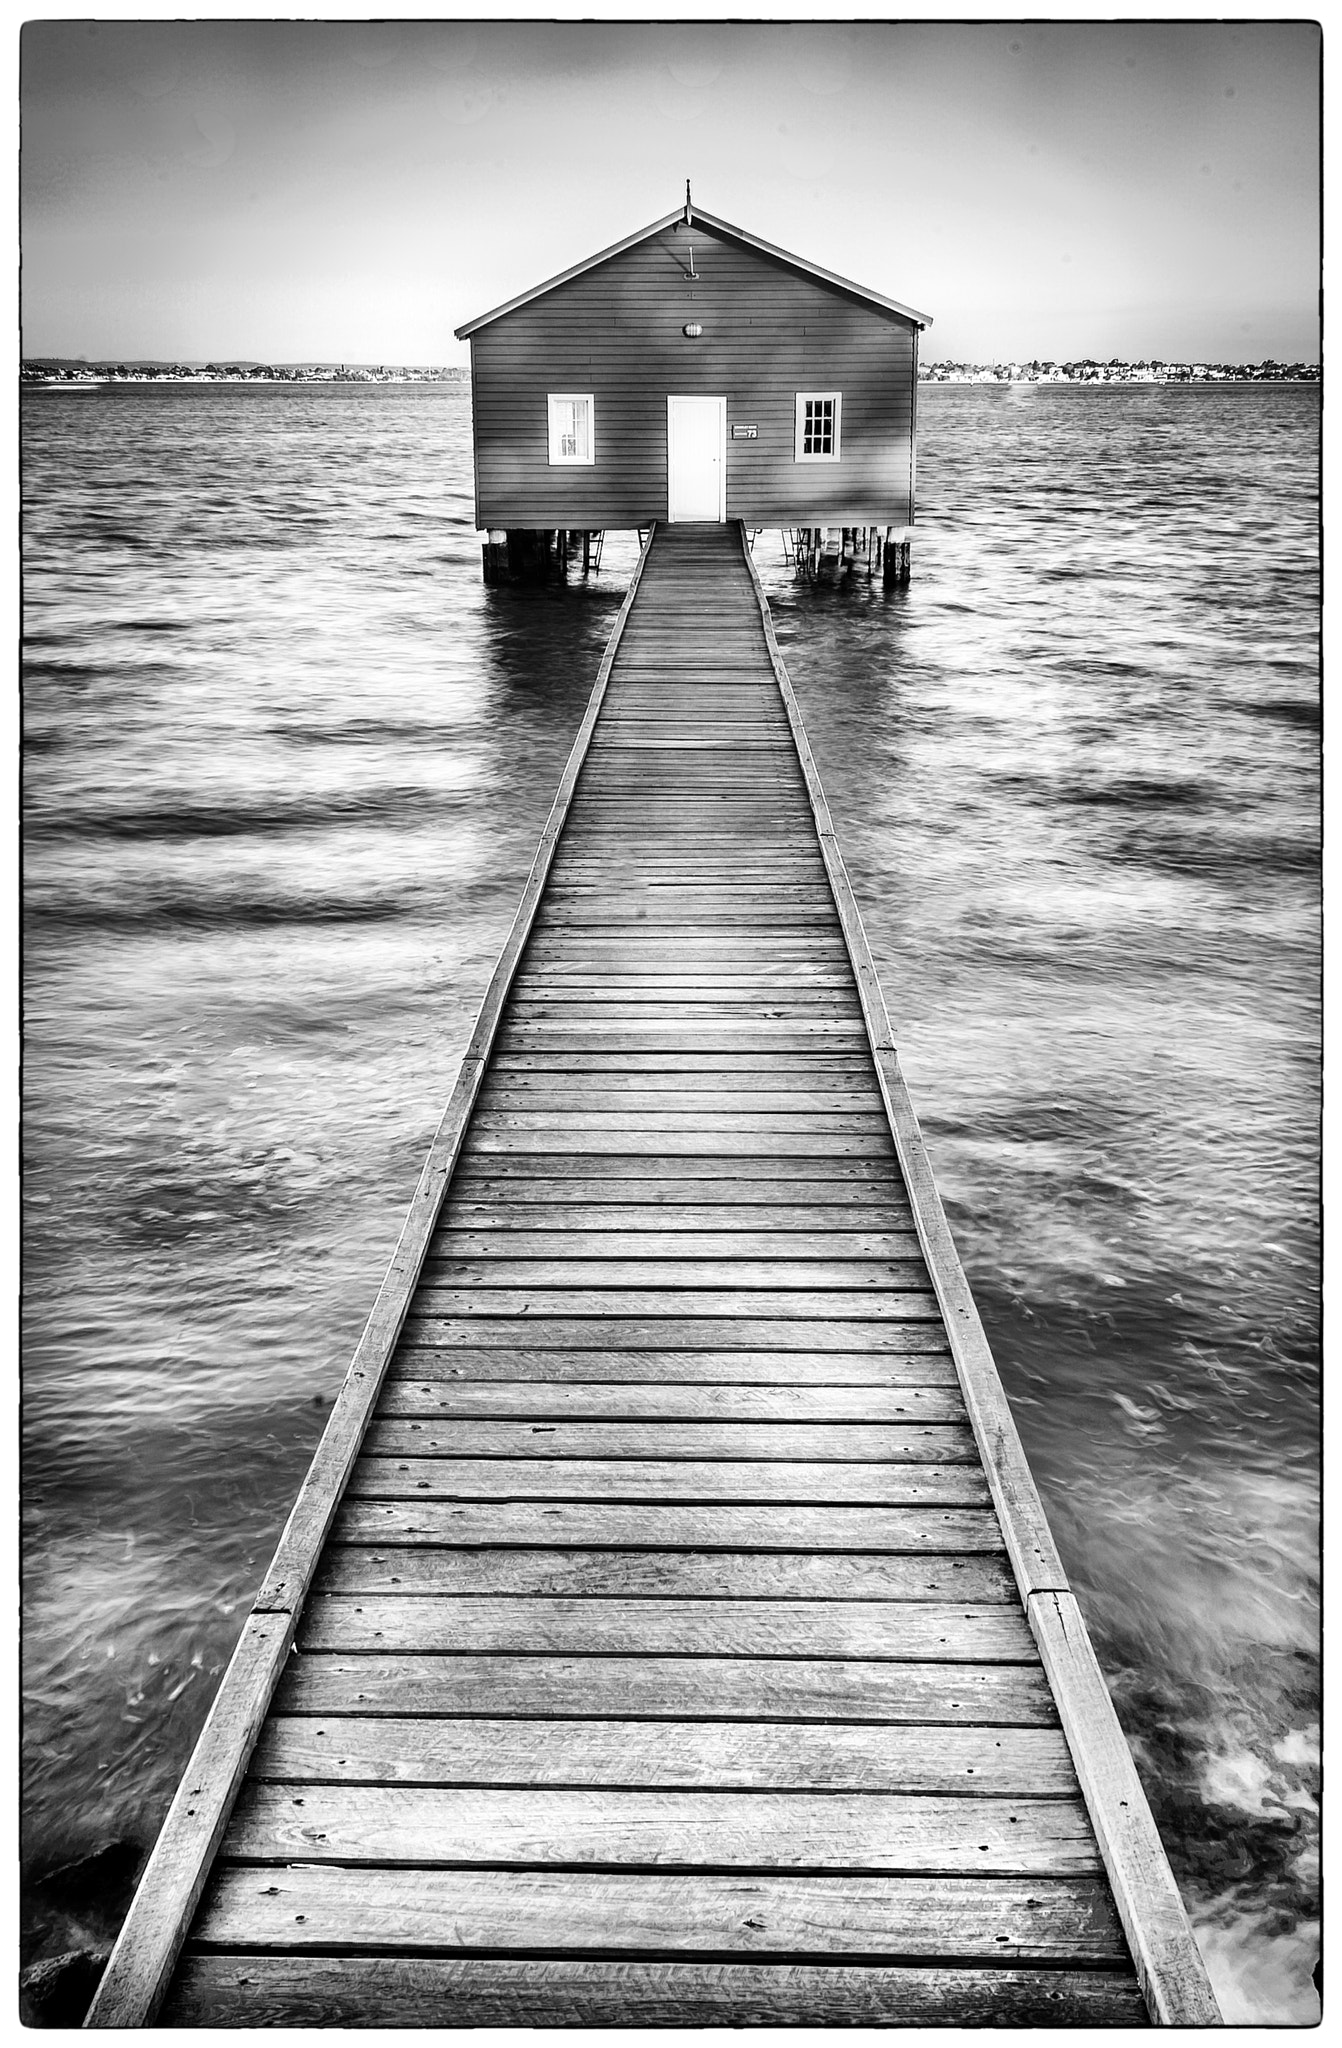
column 405, row 805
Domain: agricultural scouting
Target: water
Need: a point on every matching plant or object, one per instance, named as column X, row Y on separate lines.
column 286, row 760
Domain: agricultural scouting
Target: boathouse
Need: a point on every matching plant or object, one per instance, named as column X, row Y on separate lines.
column 693, row 372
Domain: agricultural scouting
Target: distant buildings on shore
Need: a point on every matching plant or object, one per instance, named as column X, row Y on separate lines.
column 50, row 370
column 1087, row 371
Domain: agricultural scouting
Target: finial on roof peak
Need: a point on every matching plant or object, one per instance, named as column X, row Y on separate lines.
column 689, row 213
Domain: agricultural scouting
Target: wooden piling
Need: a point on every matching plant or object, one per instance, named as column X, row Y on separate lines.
column 898, row 553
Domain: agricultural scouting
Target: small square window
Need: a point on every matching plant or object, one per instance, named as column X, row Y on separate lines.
column 571, row 438
column 818, row 426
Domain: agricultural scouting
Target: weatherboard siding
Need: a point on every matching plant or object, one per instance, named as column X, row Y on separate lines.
column 616, row 331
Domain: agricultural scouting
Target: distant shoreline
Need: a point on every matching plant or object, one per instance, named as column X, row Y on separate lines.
column 1089, row 372
column 57, row 374
column 55, row 371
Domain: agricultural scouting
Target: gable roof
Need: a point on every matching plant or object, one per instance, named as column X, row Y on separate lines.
column 689, row 215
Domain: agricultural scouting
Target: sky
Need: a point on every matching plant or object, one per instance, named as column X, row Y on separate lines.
column 289, row 191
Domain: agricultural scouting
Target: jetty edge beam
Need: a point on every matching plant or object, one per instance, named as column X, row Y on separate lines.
column 1169, row 1966
column 1160, row 1944
column 141, row 1962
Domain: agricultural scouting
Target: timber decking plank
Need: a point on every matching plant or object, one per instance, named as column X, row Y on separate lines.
column 911, row 1632
column 707, row 1179
column 503, row 1825
column 666, row 1574
column 716, row 1068
column 659, row 1525
column 668, row 1688
column 760, row 1330
column 521, row 1240
column 1060, row 1920
column 1009, row 1763
column 424, row 1991
column 500, row 1267
column 910, row 1442
column 787, row 1170
column 666, row 1479
column 604, row 1402
column 916, row 1366
column 672, row 1304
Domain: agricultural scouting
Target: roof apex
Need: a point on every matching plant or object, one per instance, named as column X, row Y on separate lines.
column 697, row 215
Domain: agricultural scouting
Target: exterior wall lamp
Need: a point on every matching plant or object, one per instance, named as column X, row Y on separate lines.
column 693, row 330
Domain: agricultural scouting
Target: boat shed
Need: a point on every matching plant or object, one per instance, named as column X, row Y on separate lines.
column 693, row 372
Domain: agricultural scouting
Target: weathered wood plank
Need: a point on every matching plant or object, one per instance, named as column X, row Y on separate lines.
column 515, row 1238
column 666, row 1479
column 715, row 985
column 501, row 1267
column 908, row 1365
column 670, row 1688
column 912, row 1632
column 703, row 1138
column 476, row 1221
column 672, row 1200
column 434, row 1992
column 342, row 1749
column 742, row 1069
column 670, row 1305
column 802, row 1172
column 911, row 1442
column 713, row 1123
column 621, row 1402
column 667, row 1574
column 675, row 1034
column 880, row 1831
column 765, row 1333
column 998, row 1920
column 671, row 1525
column 805, row 1177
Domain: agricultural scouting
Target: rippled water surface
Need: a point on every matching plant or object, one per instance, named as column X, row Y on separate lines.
column 286, row 760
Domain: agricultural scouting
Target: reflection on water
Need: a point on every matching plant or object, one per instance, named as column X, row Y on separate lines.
column 286, row 762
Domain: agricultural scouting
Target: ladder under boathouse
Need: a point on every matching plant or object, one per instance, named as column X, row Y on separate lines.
column 668, row 1631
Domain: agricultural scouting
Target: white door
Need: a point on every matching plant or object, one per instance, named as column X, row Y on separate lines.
column 696, row 458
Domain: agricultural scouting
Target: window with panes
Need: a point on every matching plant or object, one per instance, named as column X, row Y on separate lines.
column 818, row 426
column 571, row 436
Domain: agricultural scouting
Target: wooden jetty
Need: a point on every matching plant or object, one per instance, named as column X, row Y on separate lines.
column 668, row 1631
